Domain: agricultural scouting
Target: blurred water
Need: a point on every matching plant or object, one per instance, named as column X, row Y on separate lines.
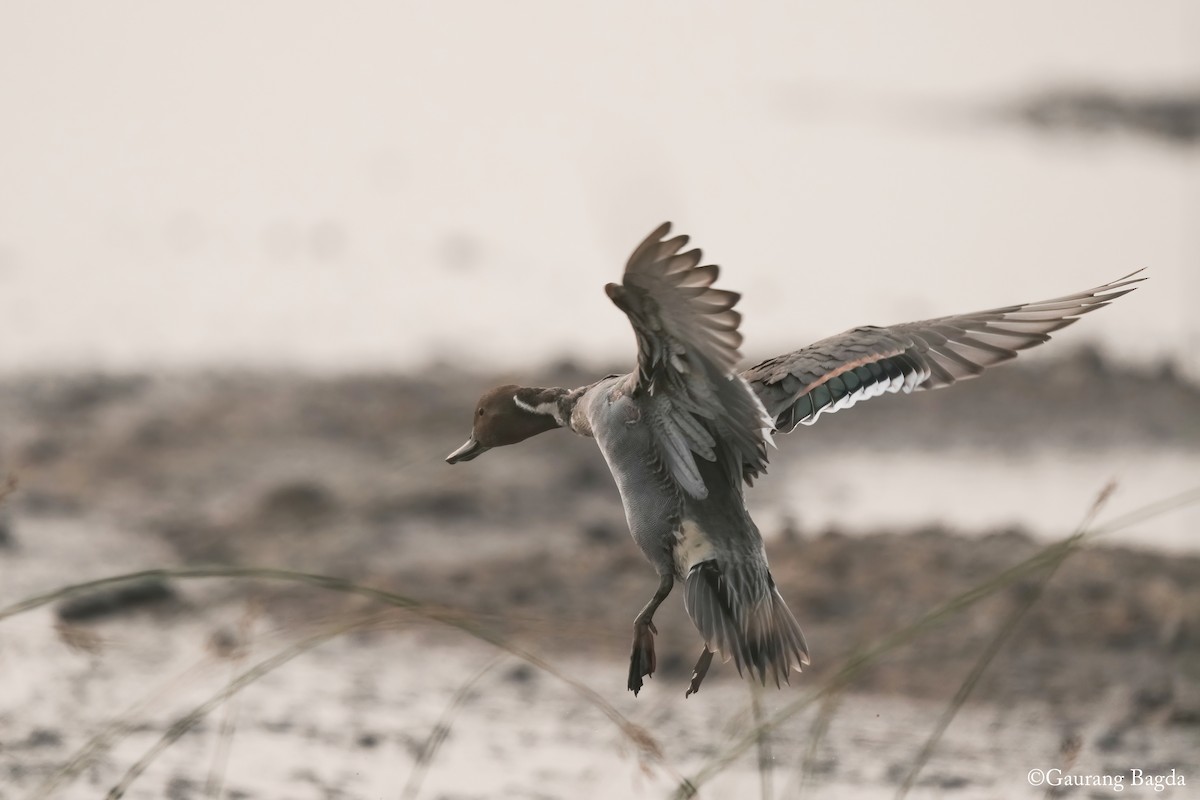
column 298, row 184
column 1045, row 492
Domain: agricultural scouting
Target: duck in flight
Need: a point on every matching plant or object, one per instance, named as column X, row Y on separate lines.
column 685, row 432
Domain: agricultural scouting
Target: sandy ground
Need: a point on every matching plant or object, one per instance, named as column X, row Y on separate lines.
column 343, row 476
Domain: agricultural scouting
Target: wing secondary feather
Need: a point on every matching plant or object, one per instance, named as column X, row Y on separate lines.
column 835, row 373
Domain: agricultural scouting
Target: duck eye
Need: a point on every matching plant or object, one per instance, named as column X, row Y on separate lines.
column 481, row 412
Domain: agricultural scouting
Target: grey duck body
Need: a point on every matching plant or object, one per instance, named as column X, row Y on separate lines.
column 673, row 529
column 685, row 433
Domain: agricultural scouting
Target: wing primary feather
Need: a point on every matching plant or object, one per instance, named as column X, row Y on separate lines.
column 868, row 361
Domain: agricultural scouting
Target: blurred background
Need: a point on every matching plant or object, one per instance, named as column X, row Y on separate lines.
column 257, row 261
column 297, row 184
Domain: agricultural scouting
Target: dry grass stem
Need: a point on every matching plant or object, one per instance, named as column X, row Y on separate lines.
column 236, row 648
column 853, row 666
column 437, row 736
column 816, row 736
column 9, row 486
column 649, row 751
column 762, row 743
column 997, row 643
column 185, row 723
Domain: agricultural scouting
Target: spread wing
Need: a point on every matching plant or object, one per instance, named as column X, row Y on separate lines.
column 687, row 338
column 865, row 362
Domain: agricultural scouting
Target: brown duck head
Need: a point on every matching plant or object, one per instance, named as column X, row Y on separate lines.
column 507, row 415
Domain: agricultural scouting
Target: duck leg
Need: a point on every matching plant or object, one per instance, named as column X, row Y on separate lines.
column 699, row 671
column 641, row 660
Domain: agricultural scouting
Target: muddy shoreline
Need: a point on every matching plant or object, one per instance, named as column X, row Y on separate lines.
column 343, row 476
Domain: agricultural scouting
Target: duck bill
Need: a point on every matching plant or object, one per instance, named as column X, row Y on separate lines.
column 468, row 451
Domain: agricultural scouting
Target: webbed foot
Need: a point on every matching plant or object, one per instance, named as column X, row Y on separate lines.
column 699, row 671
column 642, row 662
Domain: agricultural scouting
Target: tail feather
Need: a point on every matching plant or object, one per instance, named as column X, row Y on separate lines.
column 742, row 616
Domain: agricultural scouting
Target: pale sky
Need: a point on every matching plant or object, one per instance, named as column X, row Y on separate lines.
column 381, row 184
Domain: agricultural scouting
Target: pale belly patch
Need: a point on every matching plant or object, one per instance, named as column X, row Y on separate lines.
column 692, row 546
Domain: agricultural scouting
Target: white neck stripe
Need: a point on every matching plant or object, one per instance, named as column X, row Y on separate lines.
column 545, row 409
